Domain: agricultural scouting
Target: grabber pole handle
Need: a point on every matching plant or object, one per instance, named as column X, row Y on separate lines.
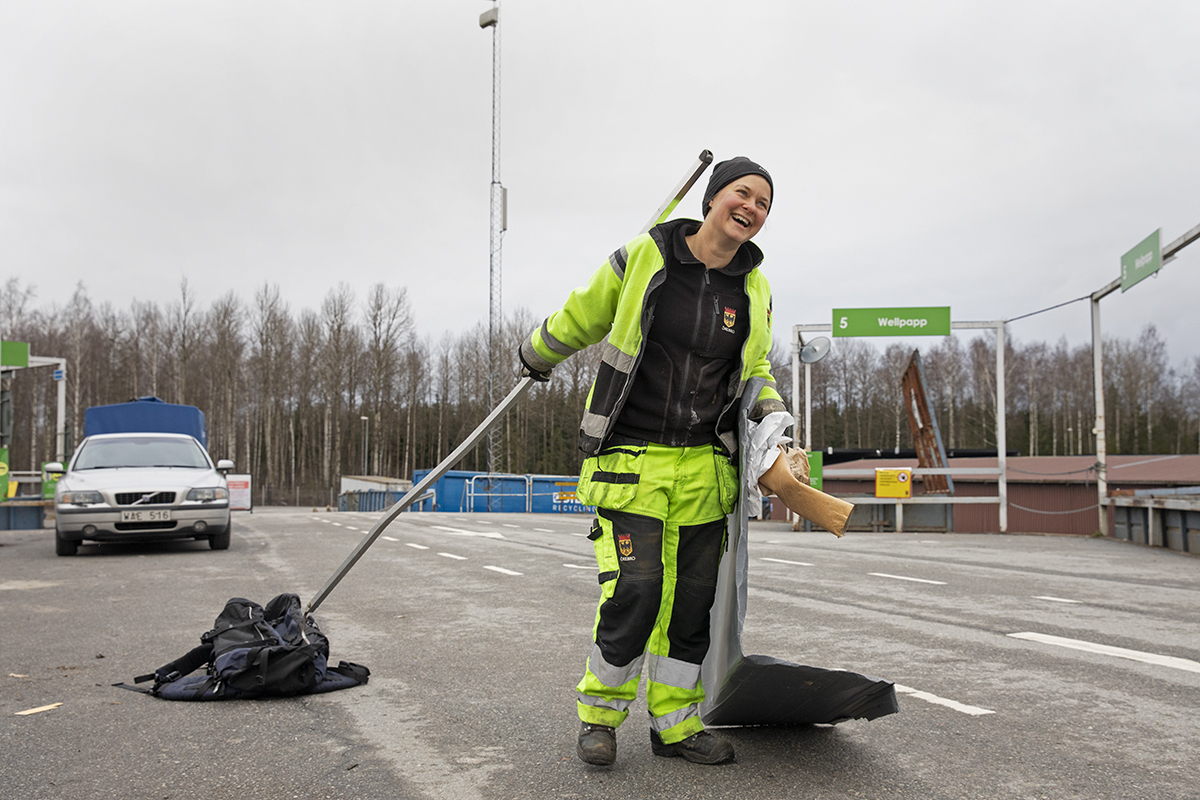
column 664, row 210
column 702, row 161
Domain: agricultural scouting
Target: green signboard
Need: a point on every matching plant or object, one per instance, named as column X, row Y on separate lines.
column 816, row 459
column 933, row 321
column 49, row 482
column 14, row 354
column 1142, row 261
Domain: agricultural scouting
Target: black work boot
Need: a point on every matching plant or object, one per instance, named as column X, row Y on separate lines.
column 699, row 748
column 597, row 744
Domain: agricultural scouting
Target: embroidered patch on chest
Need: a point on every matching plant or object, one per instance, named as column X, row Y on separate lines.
column 730, row 318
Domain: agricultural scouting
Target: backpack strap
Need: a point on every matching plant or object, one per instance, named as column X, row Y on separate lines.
column 167, row 673
column 349, row 669
column 133, row 688
column 184, row 665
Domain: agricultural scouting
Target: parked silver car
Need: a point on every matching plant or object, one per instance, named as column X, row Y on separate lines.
column 125, row 487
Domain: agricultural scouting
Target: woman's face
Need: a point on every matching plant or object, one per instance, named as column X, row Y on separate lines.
column 740, row 209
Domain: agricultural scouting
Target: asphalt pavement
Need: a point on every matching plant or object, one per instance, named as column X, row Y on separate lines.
column 1026, row 666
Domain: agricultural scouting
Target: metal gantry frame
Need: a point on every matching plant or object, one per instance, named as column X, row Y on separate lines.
column 1168, row 255
column 60, row 425
column 1000, row 471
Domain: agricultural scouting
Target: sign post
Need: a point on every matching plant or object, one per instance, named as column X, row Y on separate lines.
column 881, row 318
column 1138, row 264
column 239, row 492
column 897, row 484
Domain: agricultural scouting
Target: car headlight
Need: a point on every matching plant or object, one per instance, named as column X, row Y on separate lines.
column 81, row 498
column 208, row 495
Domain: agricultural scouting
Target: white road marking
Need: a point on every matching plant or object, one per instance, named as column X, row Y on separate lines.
column 578, row 566
column 336, row 523
column 543, row 530
column 794, row 563
column 1108, row 650
column 451, row 555
column 351, row 528
column 417, row 546
column 507, row 525
column 388, row 539
column 974, row 711
column 1055, row 599
column 503, row 571
column 903, row 578
column 461, row 532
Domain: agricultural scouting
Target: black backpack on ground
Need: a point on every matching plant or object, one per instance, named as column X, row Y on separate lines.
column 255, row 651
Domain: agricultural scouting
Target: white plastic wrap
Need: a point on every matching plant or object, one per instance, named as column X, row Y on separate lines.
column 765, row 437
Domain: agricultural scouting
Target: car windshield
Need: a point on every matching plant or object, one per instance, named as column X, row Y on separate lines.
column 137, row 451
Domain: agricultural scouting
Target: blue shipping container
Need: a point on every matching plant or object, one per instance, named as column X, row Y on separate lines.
column 555, row 494
column 461, row 490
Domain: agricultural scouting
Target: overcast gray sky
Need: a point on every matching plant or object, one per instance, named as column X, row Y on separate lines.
column 996, row 157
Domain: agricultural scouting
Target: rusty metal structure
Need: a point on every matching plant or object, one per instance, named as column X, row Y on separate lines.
column 922, row 423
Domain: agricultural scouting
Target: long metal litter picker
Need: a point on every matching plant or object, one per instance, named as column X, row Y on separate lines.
column 664, row 210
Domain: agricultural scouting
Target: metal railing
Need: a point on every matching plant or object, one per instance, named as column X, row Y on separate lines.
column 495, row 499
column 373, row 500
column 922, row 499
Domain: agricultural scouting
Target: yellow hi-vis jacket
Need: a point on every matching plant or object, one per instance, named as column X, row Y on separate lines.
column 618, row 302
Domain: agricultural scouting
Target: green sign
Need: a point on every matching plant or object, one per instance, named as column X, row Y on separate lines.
column 815, row 461
column 49, row 482
column 892, row 321
column 14, row 354
column 1142, row 261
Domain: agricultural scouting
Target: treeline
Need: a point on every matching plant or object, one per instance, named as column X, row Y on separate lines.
column 1150, row 407
column 285, row 391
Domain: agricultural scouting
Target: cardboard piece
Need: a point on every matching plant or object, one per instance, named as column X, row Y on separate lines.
column 825, row 510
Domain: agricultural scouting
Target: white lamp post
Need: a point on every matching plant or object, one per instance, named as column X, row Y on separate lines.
column 366, row 432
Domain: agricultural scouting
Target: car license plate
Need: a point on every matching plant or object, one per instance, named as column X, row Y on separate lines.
column 147, row 515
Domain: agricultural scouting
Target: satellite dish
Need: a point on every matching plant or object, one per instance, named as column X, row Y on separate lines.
column 815, row 350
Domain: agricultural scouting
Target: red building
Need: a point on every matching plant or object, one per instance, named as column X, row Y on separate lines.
column 1046, row 494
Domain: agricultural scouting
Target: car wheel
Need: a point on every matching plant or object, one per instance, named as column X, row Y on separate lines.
column 64, row 546
column 220, row 541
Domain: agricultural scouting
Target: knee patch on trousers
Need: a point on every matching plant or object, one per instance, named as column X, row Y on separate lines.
column 630, row 608
column 700, row 550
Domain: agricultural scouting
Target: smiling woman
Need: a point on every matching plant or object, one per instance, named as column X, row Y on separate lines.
column 687, row 316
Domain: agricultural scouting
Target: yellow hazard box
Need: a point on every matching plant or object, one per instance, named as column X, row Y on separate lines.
column 891, row 482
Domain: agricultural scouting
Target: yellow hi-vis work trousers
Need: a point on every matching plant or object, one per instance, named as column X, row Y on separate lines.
column 659, row 536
